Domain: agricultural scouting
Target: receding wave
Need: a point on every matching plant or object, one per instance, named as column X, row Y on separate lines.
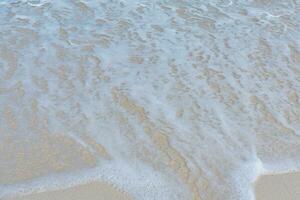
column 165, row 99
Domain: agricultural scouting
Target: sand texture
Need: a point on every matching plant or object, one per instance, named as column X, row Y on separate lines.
column 278, row 187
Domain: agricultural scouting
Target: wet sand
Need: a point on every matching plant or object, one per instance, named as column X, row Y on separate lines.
column 278, row 187
column 91, row 191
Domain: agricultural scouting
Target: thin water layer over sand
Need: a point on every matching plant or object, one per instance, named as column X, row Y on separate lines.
column 91, row 191
column 165, row 99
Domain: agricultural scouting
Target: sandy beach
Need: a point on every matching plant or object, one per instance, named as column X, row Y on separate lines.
column 91, row 191
column 278, row 187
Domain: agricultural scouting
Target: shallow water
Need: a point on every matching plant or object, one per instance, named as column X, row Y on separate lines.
column 165, row 99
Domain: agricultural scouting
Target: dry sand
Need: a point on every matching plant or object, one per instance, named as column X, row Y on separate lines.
column 91, row 191
column 278, row 187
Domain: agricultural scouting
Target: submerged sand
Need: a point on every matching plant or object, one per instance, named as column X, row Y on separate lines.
column 91, row 191
column 278, row 187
